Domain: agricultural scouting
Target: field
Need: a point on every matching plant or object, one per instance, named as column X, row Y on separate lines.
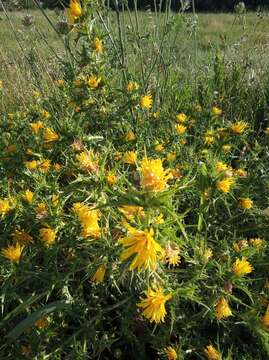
column 134, row 206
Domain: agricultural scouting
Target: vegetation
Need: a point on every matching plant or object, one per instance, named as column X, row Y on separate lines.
column 134, row 182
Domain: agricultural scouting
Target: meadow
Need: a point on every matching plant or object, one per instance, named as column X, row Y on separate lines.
column 134, row 206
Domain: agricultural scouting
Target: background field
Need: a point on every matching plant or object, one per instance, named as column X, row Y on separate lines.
column 195, row 41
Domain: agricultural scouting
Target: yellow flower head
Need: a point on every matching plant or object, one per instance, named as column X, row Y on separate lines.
column 240, row 172
column 180, row 129
column 28, row 196
column 170, row 353
column 143, row 247
column 130, row 157
column 220, row 166
column 21, row 237
column 13, row 253
column 216, row 111
column 41, row 210
column 87, row 161
column 222, row 309
column 226, row 147
column 265, row 318
column 42, row 323
column 208, row 253
column 159, row 148
column 242, row 267
column 245, row 203
column 256, row 242
column 153, row 304
column 47, row 235
column 132, row 86
column 153, row 175
column 44, row 165
column 238, row 127
column 99, row 275
column 50, row 135
column 131, row 211
column 93, row 82
column 181, row 118
column 97, row 46
column 172, row 257
column 111, row 178
column 198, row 108
column 60, row 82
column 5, row 206
column 146, row 101
column 225, row 184
column 45, row 114
column 75, row 9
column 31, row 165
column 89, row 220
column 211, row 353
column 35, row 127
column 171, row 156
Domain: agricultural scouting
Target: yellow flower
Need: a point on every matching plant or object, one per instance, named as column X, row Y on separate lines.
column 131, row 86
column 130, row 136
column 208, row 253
column 265, row 318
column 211, row 353
column 238, row 127
column 220, row 166
column 54, row 200
column 216, row 111
column 97, row 46
column 159, row 148
column 87, row 161
column 21, row 237
column 154, row 304
column 181, row 118
column 267, row 131
column 75, row 9
column 93, row 82
column 225, row 184
column 170, row 353
column 89, row 220
column 242, row 244
column 44, row 165
column 130, row 157
column 41, row 210
column 245, row 203
column 28, row 196
column 131, row 211
column 13, row 253
column 256, row 242
column 222, row 309
column 180, row 129
column 172, row 257
column 99, row 275
column 198, row 108
column 42, row 323
column 143, row 246
column 45, row 114
column 226, row 147
column 146, row 101
column 60, row 82
column 111, row 178
column 209, row 138
column 5, row 206
column 50, row 135
column 153, row 175
column 171, row 156
column 31, row 165
column 56, row 167
column 47, row 235
column 241, row 173
column 242, row 267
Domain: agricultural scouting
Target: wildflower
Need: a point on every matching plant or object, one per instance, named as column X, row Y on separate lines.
column 44, row 165
column 180, row 129
column 208, row 253
column 31, row 165
column 13, row 253
column 41, row 211
column 111, row 178
column 181, row 118
column 242, row 267
column 47, row 235
column 143, row 246
column 50, row 135
column 153, row 175
column 170, row 353
column 89, row 220
column 240, row 172
column 97, row 46
column 76, row 82
column 26, row 350
column 99, row 275
column 222, row 309
column 267, row 131
column 45, row 114
column 256, row 242
column 209, row 138
column 159, row 147
column 216, row 111
column 242, row 244
column 28, row 196
column 87, row 161
column 57, row 167
column 131, row 211
column 265, row 318
column 225, row 184
column 60, row 82
column 75, row 9
column 132, row 86
column 130, row 157
column 226, row 147
column 171, row 156
column 146, row 101
column 93, row 82
column 245, row 203
column 130, row 136
column 211, row 353
column 54, row 200
column 154, row 304
column 5, row 206
column 238, row 127
column 172, row 257
column 220, row 166
column 198, row 108
column 21, row 237
column 42, row 323
column 117, row 155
